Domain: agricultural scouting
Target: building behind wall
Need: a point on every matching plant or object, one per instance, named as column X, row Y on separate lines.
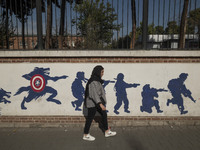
column 16, row 43
column 171, row 41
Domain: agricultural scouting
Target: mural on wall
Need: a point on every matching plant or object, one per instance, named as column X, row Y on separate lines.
column 106, row 82
column 120, row 89
column 78, row 90
column 145, row 89
column 148, row 99
column 4, row 94
column 39, row 78
column 177, row 89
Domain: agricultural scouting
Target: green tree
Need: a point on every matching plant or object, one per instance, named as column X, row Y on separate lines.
column 125, row 42
column 194, row 18
column 194, row 21
column 172, row 28
column 151, row 29
column 5, row 30
column 138, row 31
column 96, row 23
column 159, row 30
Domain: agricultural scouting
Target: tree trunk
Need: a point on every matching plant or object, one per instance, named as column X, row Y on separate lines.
column 132, row 46
column 49, row 25
column 23, row 37
column 199, row 34
column 7, row 18
column 22, row 21
column 62, row 24
column 182, row 31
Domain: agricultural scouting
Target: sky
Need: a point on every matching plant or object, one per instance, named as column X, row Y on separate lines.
column 160, row 13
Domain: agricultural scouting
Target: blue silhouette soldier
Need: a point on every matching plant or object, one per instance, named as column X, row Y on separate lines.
column 106, row 82
column 78, row 90
column 39, row 78
column 3, row 94
column 177, row 88
column 148, row 100
column 120, row 88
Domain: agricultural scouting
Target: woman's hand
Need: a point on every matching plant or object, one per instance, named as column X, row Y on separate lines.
column 102, row 107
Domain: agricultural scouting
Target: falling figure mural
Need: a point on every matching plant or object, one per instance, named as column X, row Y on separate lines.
column 78, row 90
column 120, row 89
column 3, row 94
column 177, row 88
column 148, row 100
column 39, row 78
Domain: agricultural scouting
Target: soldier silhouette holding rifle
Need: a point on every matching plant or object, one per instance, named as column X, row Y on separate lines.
column 148, row 100
column 177, row 88
column 120, row 88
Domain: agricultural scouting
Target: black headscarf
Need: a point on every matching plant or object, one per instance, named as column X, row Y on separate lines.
column 96, row 76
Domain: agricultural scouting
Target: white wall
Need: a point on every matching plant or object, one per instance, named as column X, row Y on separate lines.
column 157, row 75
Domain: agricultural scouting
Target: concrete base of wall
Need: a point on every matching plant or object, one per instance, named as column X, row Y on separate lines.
column 78, row 121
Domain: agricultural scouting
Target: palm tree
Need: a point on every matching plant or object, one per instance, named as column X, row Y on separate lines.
column 62, row 23
column 62, row 19
column 133, row 8
column 48, row 41
column 49, row 25
column 182, row 32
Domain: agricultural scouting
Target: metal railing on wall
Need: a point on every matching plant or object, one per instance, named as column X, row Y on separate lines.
column 100, row 24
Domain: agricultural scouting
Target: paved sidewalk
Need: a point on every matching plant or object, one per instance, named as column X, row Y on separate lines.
column 131, row 138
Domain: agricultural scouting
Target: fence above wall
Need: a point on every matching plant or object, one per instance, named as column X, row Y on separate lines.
column 102, row 25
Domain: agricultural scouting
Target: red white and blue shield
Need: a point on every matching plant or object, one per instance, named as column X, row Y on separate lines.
column 37, row 83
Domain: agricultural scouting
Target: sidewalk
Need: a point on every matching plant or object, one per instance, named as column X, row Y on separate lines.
column 131, row 138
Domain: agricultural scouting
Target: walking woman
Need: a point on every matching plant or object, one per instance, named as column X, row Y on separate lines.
column 95, row 100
